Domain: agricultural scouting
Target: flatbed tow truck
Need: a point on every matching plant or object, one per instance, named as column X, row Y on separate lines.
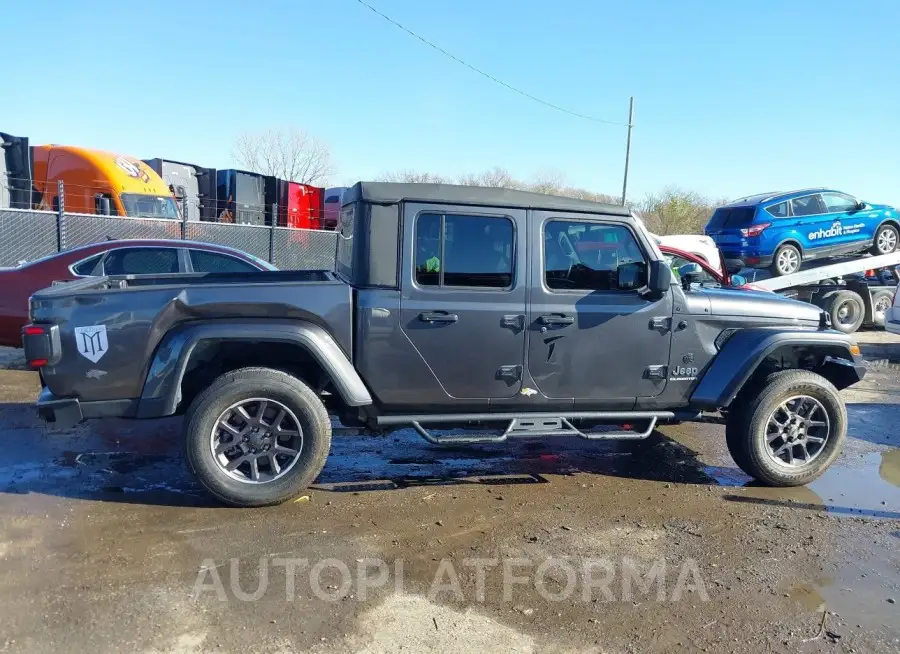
column 853, row 293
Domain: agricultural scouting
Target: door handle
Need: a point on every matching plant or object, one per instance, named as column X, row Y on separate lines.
column 557, row 319
column 438, row 316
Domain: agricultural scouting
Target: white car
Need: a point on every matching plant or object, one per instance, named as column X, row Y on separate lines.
column 696, row 244
column 892, row 318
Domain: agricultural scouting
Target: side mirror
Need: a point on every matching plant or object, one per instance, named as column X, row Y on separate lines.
column 631, row 276
column 660, row 278
column 862, row 205
column 733, row 266
column 737, row 281
column 103, row 206
column 690, row 273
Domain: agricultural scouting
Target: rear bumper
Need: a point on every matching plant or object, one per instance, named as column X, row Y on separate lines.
column 64, row 412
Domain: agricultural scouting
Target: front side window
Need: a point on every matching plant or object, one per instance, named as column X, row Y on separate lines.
column 141, row 261
column 839, row 203
column 811, row 205
column 459, row 250
column 779, row 210
column 212, row 262
column 592, row 256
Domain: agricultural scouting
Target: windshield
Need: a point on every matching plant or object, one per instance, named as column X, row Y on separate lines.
column 149, row 206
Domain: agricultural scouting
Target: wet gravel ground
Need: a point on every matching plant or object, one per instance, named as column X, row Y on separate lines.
column 108, row 545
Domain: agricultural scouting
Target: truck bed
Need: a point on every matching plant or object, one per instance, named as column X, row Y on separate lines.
column 135, row 312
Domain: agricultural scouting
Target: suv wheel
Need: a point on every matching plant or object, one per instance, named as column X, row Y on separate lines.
column 788, row 430
column 886, row 240
column 256, row 437
column 846, row 309
column 787, row 260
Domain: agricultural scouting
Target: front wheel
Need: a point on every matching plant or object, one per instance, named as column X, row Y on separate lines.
column 787, row 430
column 885, row 241
column 256, row 437
column 786, row 261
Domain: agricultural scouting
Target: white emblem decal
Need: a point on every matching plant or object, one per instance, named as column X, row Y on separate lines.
column 528, row 392
column 91, row 342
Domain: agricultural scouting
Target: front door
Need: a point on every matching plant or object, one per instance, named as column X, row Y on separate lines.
column 463, row 297
column 593, row 333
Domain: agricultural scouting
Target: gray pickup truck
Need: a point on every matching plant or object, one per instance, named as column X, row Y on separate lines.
column 489, row 312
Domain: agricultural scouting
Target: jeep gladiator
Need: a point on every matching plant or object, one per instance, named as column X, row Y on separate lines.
column 491, row 312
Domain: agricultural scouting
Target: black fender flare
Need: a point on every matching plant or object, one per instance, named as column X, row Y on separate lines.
column 747, row 348
column 162, row 386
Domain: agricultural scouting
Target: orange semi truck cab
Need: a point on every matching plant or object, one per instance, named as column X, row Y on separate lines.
column 98, row 182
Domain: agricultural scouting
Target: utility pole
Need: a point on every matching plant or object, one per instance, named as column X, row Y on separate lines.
column 628, row 148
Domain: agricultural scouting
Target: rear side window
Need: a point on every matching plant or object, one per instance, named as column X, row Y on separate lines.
column 141, row 261
column 733, row 217
column 811, row 205
column 779, row 210
column 87, row 266
column 212, row 262
column 459, row 250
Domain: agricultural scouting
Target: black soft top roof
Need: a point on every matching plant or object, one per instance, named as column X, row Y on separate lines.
column 391, row 193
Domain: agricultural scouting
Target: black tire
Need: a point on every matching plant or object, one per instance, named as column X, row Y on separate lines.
column 886, row 240
column 846, row 309
column 748, row 421
column 244, row 384
column 884, row 297
column 787, row 260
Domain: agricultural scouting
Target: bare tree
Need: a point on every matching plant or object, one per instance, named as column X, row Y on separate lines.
column 412, row 177
column 496, row 177
column 291, row 154
column 675, row 211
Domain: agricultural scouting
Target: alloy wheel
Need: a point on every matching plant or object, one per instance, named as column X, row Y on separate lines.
column 797, row 431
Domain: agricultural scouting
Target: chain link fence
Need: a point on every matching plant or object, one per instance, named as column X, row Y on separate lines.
column 26, row 235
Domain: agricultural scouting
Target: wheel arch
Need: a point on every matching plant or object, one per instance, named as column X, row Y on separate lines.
column 790, row 240
column 753, row 354
column 189, row 357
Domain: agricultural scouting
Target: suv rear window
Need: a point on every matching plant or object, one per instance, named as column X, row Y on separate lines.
column 732, row 217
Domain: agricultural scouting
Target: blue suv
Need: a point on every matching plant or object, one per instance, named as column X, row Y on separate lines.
column 781, row 230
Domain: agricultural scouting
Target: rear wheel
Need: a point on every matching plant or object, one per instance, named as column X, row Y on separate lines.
column 788, row 430
column 846, row 309
column 256, row 437
column 787, row 261
column 885, row 241
column 882, row 299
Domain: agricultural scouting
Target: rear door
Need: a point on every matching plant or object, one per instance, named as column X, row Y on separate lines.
column 462, row 305
column 811, row 219
column 592, row 336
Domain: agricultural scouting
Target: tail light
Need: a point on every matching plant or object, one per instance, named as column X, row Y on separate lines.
column 754, row 230
column 41, row 344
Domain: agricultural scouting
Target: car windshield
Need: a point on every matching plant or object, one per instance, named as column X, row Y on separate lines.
column 149, row 206
column 732, row 217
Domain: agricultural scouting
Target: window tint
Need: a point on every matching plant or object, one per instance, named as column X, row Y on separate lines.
column 732, row 217
column 456, row 250
column 87, row 266
column 212, row 262
column 779, row 210
column 141, row 261
column 810, row 205
column 835, row 202
column 590, row 256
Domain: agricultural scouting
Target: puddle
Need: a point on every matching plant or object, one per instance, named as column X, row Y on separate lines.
column 809, row 596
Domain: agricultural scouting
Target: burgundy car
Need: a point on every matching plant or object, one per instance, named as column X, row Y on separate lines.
column 131, row 257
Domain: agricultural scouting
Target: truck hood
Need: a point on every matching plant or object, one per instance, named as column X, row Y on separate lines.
column 760, row 304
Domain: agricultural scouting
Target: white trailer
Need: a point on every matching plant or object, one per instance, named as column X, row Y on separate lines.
column 852, row 302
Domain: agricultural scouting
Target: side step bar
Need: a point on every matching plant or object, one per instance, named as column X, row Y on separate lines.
column 531, row 425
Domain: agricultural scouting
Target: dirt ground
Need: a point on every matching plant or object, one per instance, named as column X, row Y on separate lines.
column 108, row 545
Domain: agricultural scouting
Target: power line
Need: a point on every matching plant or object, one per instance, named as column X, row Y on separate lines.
column 488, row 75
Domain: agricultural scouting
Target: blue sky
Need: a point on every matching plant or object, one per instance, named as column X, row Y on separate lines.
column 731, row 97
